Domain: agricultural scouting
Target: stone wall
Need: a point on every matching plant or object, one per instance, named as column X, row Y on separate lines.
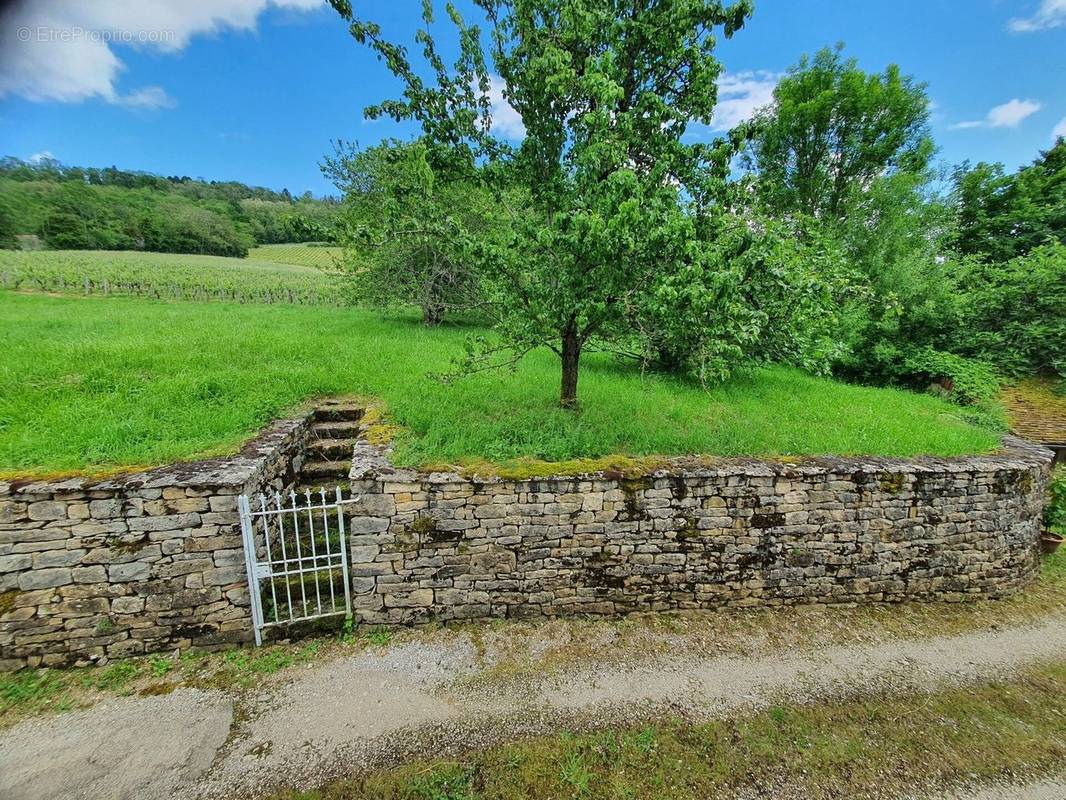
column 694, row 535
column 136, row 563
column 151, row 561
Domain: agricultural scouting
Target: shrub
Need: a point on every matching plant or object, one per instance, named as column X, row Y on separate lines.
column 753, row 290
column 1055, row 510
column 965, row 380
column 1013, row 312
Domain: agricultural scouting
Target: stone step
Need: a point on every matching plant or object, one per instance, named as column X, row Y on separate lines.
column 340, row 411
column 318, row 470
column 331, row 449
column 341, row 429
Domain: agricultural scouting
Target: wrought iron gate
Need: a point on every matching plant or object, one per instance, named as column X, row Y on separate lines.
column 297, row 558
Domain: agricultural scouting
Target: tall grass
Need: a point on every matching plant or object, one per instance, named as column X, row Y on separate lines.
column 95, row 382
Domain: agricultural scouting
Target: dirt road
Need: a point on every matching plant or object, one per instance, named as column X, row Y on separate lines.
column 412, row 699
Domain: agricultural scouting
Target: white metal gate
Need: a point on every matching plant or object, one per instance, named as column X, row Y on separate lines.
column 296, row 556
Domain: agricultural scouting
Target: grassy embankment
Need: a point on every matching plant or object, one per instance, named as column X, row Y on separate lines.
column 95, row 383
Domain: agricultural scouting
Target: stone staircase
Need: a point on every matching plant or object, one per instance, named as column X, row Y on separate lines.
column 334, row 429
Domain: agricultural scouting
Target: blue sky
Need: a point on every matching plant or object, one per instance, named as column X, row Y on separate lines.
column 254, row 90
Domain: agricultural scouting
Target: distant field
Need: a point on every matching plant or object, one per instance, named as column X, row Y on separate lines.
column 307, row 255
column 170, row 276
column 100, row 382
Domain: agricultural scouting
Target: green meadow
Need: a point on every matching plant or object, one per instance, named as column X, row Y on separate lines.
column 95, row 383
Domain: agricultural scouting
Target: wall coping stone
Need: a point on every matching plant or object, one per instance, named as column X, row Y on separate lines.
column 232, row 472
column 373, row 461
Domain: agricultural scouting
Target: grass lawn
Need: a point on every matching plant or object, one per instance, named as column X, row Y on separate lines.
column 95, row 383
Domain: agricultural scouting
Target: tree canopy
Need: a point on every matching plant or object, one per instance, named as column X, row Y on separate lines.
column 605, row 92
column 832, row 130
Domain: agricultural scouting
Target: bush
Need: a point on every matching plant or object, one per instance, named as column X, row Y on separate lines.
column 1055, row 510
column 751, row 290
column 1013, row 313
column 965, row 380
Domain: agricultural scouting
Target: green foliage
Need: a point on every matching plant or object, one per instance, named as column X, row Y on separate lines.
column 29, row 688
column 378, row 636
column 133, row 381
column 1055, row 510
column 160, row 665
column 1014, row 312
column 758, row 292
column 73, row 208
column 1000, row 216
column 832, row 130
column 406, row 226
column 7, row 226
column 849, row 151
column 967, row 380
column 115, row 677
column 605, row 92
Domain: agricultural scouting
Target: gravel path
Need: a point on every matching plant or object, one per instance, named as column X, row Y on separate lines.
column 132, row 747
column 417, row 699
column 1054, row 789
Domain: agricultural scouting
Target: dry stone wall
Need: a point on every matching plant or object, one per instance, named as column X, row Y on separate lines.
column 142, row 562
column 152, row 561
column 693, row 536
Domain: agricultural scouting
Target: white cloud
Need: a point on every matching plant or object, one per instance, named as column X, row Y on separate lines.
column 1050, row 14
column 1011, row 113
column 64, row 50
column 1059, row 130
column 506, row 122
column 1006, row 115
column 740, row 95
column 148, row 97
column 44, row 155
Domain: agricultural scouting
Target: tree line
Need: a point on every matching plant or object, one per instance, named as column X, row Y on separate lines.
column 819, row 233
column 86, row 208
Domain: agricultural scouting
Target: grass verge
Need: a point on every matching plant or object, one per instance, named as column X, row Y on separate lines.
column 135, row 381
column 871, row 747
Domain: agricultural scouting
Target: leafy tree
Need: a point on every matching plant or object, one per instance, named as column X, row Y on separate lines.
column 832, row 130
column 605, row 91
column 406, row 226
column 1002, row 216
column 759, row 291
column 87, row 208
column 1013, row 312
column 895, row 236
column 7, row 227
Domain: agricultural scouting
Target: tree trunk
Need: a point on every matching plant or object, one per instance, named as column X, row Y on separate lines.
column 571, row 356
column 432, row 314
